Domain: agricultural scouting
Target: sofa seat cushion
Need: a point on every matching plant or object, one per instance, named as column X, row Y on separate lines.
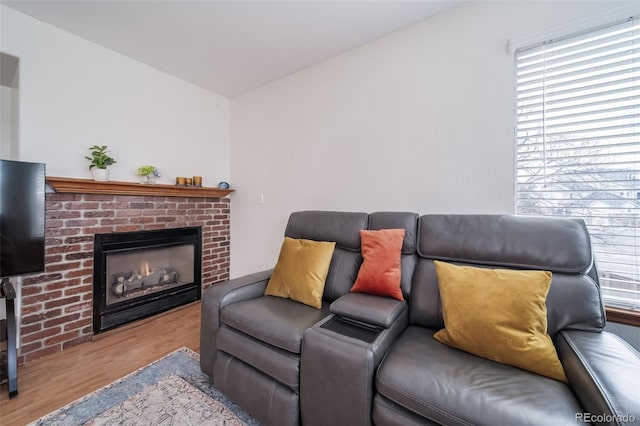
column 273, row 320
column 385, row 412
column 450, row 386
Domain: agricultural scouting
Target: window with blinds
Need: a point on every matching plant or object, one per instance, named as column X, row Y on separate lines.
column 578, row 144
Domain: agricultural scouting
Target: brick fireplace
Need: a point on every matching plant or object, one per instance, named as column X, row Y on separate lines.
column 57, row 305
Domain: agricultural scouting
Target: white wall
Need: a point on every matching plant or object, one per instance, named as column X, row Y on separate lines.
column 419, row 120
column 15, row 114
column 74, row 94
column 5, row 122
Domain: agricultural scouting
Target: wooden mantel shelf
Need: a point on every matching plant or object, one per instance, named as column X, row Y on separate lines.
column 89, row 186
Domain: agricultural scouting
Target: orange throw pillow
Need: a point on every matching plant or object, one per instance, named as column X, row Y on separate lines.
column 380, row 270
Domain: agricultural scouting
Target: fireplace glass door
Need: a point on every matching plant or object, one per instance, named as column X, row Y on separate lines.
column 141, row 272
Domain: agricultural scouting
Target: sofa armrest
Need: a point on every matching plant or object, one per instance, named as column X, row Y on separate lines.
column 214, row 300
column 374, row 310
column 603, row 371
column 338, row 363
column 337, row 373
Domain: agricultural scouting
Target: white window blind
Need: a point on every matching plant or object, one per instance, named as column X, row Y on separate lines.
column 578, row 144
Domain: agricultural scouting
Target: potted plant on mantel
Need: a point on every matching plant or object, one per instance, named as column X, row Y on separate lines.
column 100, row 162
column 148, row 174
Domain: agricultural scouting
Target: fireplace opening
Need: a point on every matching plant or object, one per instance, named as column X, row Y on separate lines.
column 139, row 274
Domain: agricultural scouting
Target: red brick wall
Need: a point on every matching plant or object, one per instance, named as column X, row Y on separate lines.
column 57, row 306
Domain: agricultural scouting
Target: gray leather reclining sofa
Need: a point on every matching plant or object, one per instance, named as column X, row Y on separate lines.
column 364, row 359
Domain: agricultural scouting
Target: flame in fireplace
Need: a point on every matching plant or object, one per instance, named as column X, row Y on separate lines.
column 145, row 269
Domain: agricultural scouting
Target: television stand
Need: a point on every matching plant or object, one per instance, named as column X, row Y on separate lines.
column 7, row 291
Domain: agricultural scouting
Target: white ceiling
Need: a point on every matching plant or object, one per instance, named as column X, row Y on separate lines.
column 230, row 47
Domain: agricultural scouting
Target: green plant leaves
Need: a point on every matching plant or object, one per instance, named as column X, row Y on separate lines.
column 99, row 157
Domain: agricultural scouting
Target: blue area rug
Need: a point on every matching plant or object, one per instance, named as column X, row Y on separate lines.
column 169, row 391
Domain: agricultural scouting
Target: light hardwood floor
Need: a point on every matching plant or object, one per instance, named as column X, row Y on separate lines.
column 53, row 381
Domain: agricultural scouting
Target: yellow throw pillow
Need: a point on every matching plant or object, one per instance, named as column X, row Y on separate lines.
column 498, row 314
column 301, row 271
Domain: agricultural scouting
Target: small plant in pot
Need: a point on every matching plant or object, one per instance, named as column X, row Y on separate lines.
column 100, row 162
column 148, row 174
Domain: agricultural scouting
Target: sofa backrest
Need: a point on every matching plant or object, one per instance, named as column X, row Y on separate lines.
column 408, row 222
column 341, row 227
column 559, row 245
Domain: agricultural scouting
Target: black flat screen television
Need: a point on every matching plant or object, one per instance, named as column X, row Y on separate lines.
column 22, row 189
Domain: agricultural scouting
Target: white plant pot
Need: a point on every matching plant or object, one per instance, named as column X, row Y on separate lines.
column 100, row 175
